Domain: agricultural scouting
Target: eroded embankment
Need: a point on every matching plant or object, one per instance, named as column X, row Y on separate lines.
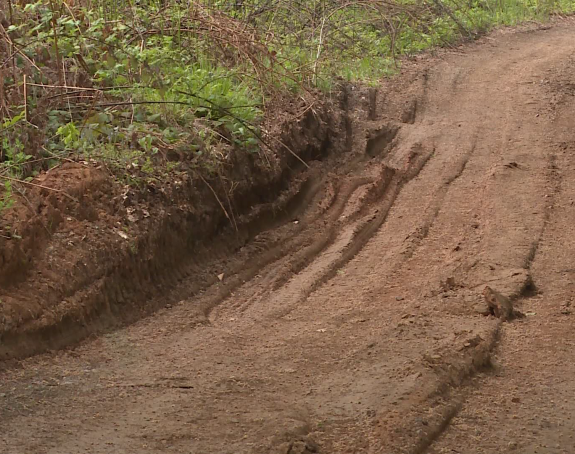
column 81, row 253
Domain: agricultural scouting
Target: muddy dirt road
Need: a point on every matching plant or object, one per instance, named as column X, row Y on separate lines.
column 365, row 331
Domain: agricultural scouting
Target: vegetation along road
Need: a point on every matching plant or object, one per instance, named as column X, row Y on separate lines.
column 409, row 290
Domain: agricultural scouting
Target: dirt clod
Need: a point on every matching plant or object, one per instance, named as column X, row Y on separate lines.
column 500, row 306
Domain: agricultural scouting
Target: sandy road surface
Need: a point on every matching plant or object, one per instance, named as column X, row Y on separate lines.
column 363, row 332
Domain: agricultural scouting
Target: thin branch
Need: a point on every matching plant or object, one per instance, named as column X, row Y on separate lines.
column 25, row 99
column 183, row 103
column 319, row 46
column 16, row 180
column 7, row 38
column 73, row 87
column 220, row 202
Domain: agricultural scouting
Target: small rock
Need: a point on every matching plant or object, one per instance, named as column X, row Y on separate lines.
column 221, row 277
column 399, row 298
column 449, row 283
column 515, row 400
column 512, row 445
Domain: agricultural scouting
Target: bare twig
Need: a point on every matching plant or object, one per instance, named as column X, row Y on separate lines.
column 219, row 202
column 32, row 210
column 10, row 11
column 318, row 50
column 60, row 158
column 16, row 180
column 229, row 203
column 17, row 49
column 3, row 103
column 66, row 87
column 182, row 103
column 25, row 99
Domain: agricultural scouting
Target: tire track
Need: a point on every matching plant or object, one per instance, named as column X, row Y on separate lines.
column 418, row 235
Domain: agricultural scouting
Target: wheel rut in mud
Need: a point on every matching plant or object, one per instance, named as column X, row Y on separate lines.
column 357, row 323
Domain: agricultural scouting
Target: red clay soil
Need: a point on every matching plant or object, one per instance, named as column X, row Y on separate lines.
column 356, row 322
column 81, row 253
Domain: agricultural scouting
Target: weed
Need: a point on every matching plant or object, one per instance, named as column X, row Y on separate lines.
column 6, row 199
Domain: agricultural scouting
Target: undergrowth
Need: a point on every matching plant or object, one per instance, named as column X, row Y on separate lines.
column 147, row 86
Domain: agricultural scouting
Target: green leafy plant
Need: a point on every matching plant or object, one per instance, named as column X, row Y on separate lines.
column 6, row 199
column 133, row 82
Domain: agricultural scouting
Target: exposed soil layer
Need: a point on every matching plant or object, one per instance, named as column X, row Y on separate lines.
column 355, row 322
column 80, row 253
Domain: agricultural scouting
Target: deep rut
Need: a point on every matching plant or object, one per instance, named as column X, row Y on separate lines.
column 356, row 325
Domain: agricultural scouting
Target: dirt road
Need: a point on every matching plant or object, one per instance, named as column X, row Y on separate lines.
column 364, row 330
